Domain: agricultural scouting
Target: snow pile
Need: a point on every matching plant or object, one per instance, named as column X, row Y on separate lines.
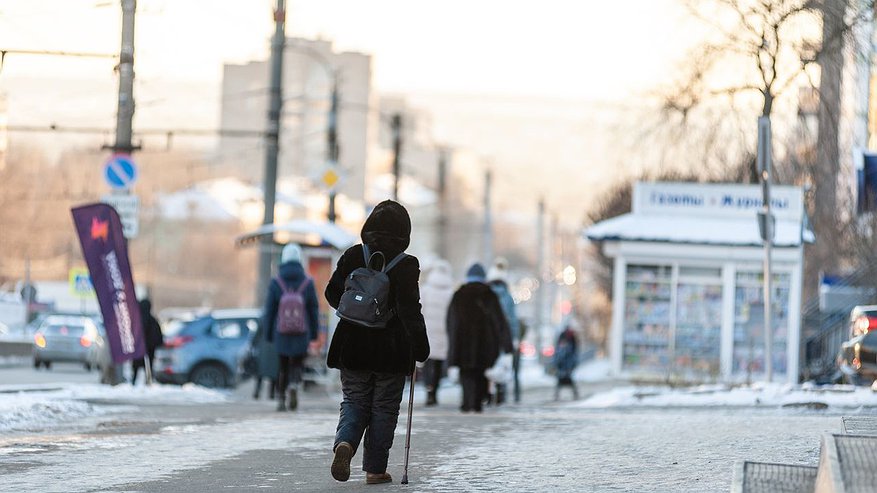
column 28, row 412
column 154, row 394
column 756, row 395
column 29, row 407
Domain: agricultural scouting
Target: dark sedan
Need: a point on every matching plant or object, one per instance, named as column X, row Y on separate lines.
column 858, row 359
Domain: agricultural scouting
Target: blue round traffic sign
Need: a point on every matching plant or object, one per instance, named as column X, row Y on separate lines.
column 120, row 171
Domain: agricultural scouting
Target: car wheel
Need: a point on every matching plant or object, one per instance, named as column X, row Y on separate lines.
column 210, row 375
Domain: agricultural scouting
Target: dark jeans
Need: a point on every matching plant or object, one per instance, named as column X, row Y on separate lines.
column 271, row 388
column 516, row 366
column 566, row 381
column 136, row 365
column 432, row 374
column 474, row 385
column 290, row 371
column 371, row 407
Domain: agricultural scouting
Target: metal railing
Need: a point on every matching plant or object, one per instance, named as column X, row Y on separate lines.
column 825, row 332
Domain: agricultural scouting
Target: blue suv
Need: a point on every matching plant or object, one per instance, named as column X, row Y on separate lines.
column 206, row 351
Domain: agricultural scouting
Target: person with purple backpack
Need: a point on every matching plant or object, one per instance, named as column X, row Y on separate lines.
column 291, row 319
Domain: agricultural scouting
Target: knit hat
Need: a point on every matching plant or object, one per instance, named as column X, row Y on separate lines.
column 291, row 253
column 475, row 273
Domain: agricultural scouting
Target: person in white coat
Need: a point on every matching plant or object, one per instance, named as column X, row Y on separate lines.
column 436, row 291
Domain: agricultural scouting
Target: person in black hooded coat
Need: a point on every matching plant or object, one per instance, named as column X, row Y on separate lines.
column 477, row 333
column 374, row 362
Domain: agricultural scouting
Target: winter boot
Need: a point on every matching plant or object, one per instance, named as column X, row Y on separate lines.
column 431, row 398
column 500, row 393
column 378, row 478
column 293, row 399
column 281, row 402
column 341, row 462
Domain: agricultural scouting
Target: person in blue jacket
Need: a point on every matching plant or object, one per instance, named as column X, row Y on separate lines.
column 565, row 360
column 291, row 349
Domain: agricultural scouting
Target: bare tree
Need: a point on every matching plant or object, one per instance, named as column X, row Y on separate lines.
column 763, row 56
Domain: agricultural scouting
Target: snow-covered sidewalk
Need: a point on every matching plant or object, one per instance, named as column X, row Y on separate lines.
column 36, row 407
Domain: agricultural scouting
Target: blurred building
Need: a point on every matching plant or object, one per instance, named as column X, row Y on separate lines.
column 4, row 121
column 310, row 68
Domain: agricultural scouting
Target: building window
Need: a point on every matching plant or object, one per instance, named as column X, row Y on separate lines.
column 749, row 323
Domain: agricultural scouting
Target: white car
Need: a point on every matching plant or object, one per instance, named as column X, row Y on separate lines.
column 68, row 338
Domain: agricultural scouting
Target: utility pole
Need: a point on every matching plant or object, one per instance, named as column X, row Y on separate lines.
column 767, row 230
column 540, row 276
column 125, row 113
column 442, row 230
column 272, row 144
column 332, row 144
column 488, row 218
column 124, row 129
column 396, row 125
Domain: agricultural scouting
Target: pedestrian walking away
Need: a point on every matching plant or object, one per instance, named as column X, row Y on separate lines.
column 291, row 319
column 477, row 334
column 267, row 363
column 497, row 277
column 436, row 293
column 152, row 334
column 374, row 360
column 565, row 360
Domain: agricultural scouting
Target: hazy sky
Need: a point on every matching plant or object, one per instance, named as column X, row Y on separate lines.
column 548, row 50
column 591, row 49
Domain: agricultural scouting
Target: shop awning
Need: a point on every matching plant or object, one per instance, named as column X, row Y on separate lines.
column 733, row 231
column 316, row 233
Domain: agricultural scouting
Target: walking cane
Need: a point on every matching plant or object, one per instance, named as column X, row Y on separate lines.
column 408, row 433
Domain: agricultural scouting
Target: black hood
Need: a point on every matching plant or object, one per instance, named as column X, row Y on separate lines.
column 388, row 228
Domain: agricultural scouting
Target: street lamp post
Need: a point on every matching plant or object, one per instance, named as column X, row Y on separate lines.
column 332, row 145
column 332, row 148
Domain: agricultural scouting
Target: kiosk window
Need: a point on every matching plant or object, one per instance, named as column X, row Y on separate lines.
column 749, row 322
column 647, row 317
column 698, row 328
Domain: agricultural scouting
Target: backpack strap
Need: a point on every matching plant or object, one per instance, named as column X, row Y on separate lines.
column 387, row 266
column 396, row 260
column 282, row 284
column 303, row 285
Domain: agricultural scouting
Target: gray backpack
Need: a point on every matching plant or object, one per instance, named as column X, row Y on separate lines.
column 365, row 300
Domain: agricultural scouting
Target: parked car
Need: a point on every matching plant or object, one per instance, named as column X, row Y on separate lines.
column 858, row 359
column 68, row 338
column 207, row 350
column 863, row 319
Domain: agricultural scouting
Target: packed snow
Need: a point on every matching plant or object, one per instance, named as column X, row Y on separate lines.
column 31, row 407
column 755, row 395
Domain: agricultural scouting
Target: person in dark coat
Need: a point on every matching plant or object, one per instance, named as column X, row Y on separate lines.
column 477, row 333
column 152, row 334
column 267, row 365
column 374, row 362
column 291, row 348
column 565, row 360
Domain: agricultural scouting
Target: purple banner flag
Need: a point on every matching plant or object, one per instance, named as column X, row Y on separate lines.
column 106, row 255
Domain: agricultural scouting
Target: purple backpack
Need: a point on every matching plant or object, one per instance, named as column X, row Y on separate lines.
column 291, row 309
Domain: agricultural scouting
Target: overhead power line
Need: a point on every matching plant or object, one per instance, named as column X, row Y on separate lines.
column 81, row 54
column 192, row 132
